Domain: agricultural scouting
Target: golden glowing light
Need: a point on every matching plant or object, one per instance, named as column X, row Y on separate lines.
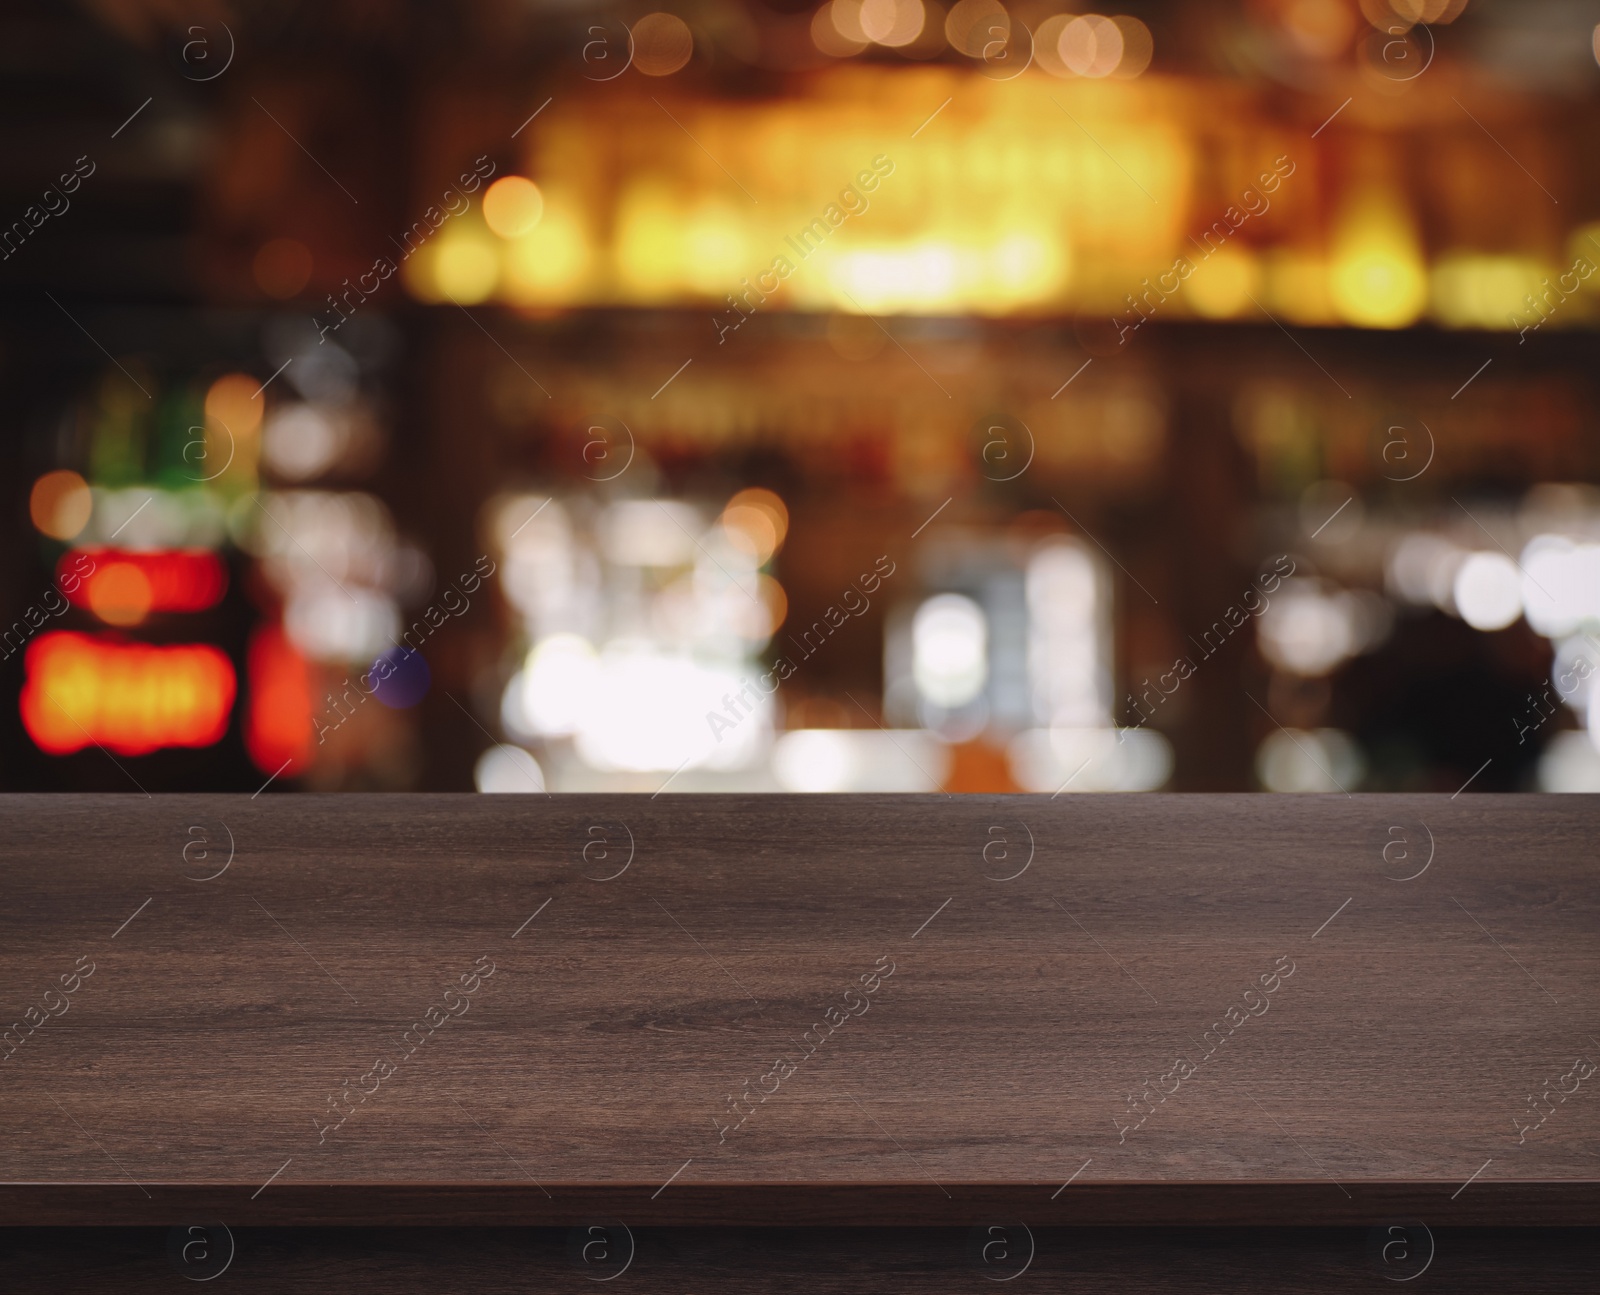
column 236, row 402
column 662, row 43
column 512, row 205
column 1024, row 265
column 1032, row 219
column 1222, row 285
column 551, row 261
column 649, row 240
column 920, row 276
column 1296, row 286
column 1584, row 242
column 1475, row 291
column 465, row 266
column 1377, row 275
column 714, row 248
column 60, row 504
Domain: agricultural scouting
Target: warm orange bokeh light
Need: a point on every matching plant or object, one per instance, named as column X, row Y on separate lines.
column 127, row 697
column 171, row 581
column 512, row 205
column 118, row 593
column 756, row 520
column 60, row 504
column 277, row 721
column 236, row 402
column 776, row 600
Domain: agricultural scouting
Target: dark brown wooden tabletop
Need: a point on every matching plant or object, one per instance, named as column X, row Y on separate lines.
column 691, row 1010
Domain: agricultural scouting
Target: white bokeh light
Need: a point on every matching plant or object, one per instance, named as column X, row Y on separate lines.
column 650, row 712
column 507, row 769
column 559, row 685
column 1069, row 637
column 1315, row 760
column 1422, row 568
column 330, row 623
column 1569, row 763
column 880, row 760
column 1090, row 759
column 949, row 650
column 1560, row 584
column 1488, row 591
column 1306, row 630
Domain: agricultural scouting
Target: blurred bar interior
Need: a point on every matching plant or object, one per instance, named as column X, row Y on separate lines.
column 758, row 397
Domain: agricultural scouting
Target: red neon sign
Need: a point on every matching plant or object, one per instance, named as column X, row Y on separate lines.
column 124, row 586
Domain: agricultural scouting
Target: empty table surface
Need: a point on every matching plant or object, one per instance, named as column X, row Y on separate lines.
column 1145, row 1010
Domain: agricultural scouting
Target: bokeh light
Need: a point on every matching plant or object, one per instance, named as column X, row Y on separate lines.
column 1320, row 760
column 1488, row 591
column 756, row 521
column 236, row 402
column 1138, row 47
column 973, row 26
column 128, row 697
column 1320, row 28
column 892, row 23
column 551, row 260
column 512, row 206
column 1091, row 46
column 465, row 266
column 558, row 683
column 119, row 594
column 278, row 726
column 1378, row 279
column 949, row 645
column 506, row 769
column 832, row 26
column 662, row 43
column 400, row 678
column 60, row 504
column 123, row 586
column 970, row 229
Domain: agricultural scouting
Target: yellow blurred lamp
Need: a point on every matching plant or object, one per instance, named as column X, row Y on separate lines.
column 1377, row 275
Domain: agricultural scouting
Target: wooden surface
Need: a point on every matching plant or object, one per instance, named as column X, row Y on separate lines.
column 636, row 988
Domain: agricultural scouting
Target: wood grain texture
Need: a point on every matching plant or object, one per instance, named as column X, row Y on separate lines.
column 679, row 947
